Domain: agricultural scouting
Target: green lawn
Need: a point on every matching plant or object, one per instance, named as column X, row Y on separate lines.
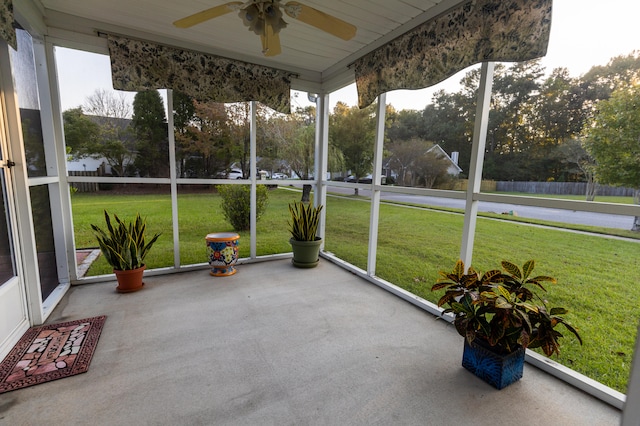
column 413, row 244
column 198, row 215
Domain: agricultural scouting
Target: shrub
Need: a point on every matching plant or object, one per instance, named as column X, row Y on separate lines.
column 236, row 204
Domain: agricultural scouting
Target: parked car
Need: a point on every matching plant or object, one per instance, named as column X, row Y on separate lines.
column 234, row 174
column 279, row 176
column 364, row 179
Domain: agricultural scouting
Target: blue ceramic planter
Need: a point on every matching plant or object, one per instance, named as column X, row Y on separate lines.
column 498, row 370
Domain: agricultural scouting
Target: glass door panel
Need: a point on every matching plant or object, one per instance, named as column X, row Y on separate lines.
column 26, row 86
column 7, row 259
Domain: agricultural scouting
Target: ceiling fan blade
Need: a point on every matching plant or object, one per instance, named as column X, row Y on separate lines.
column 320, row 20
column 205, row 15
column 270, row 42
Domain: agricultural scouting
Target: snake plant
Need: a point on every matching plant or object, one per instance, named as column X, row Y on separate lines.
column 304, row 221
column 123, row 243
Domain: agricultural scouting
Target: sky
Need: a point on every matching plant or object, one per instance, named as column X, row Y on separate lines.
column 584, row 33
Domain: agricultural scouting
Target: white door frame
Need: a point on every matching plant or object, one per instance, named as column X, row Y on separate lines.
column 14, row 313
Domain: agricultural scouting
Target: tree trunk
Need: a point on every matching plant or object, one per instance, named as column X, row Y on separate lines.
column 306, row 193
column 636, row 220
column 591, row 188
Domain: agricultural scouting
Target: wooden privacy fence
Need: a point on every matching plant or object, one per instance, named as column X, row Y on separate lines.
column 462, row 184
column 561, row 188
column 84, row 186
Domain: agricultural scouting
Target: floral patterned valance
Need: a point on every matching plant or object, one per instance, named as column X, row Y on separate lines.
column 7, row 31
column 138, row 65
column 473, row 32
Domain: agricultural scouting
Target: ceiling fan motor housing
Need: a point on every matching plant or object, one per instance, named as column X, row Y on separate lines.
column 264, row 18
column 258, row 14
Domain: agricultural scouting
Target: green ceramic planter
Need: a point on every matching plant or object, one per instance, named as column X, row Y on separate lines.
column 305, row 253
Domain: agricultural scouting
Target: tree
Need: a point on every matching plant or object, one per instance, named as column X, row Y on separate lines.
column 404, row 125
column 207, row 142
column 300, row 152
column 614, row 141
column 103, row 103
column 512, row 133
column 449, row 122
column 283, row 139
column 115, row 143
column 239, row 124
column 558, row 113
column 183, row 116
column 150, row 127
column 116, row 147
column 292, row 139
column 430, row 167
column 352, row 130
column 581, row 163
column 79, row 131
column 403, row 155
column 601, row 80
column 203, row 143
column 557, row 117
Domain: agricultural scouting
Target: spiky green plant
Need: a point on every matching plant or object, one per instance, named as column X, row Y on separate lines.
column 304, row 221
column 123, row 244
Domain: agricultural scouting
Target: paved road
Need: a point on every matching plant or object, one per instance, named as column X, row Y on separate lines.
column 542, row 213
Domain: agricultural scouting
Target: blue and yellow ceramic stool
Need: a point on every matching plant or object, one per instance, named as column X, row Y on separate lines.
column 223, row 253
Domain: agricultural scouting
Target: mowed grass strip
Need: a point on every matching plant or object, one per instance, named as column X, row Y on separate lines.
column 596, row 275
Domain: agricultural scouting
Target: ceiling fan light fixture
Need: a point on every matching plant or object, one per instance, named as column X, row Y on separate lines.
column 271, row 11
column 273, row 16
column 251, row 19
column 256, row 15
column 264, row 18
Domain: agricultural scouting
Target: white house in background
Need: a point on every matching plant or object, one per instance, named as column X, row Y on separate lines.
column 453, row 169
column 87, row 165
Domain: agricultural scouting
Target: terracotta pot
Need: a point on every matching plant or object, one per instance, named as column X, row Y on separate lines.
column 129, row 280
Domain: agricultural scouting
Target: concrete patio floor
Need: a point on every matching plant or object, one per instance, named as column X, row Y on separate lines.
column 276, row 345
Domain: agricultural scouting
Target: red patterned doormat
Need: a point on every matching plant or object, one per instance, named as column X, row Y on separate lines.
column 49, row 352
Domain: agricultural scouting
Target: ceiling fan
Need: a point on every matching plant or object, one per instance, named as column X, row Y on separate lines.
column 264, row 17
